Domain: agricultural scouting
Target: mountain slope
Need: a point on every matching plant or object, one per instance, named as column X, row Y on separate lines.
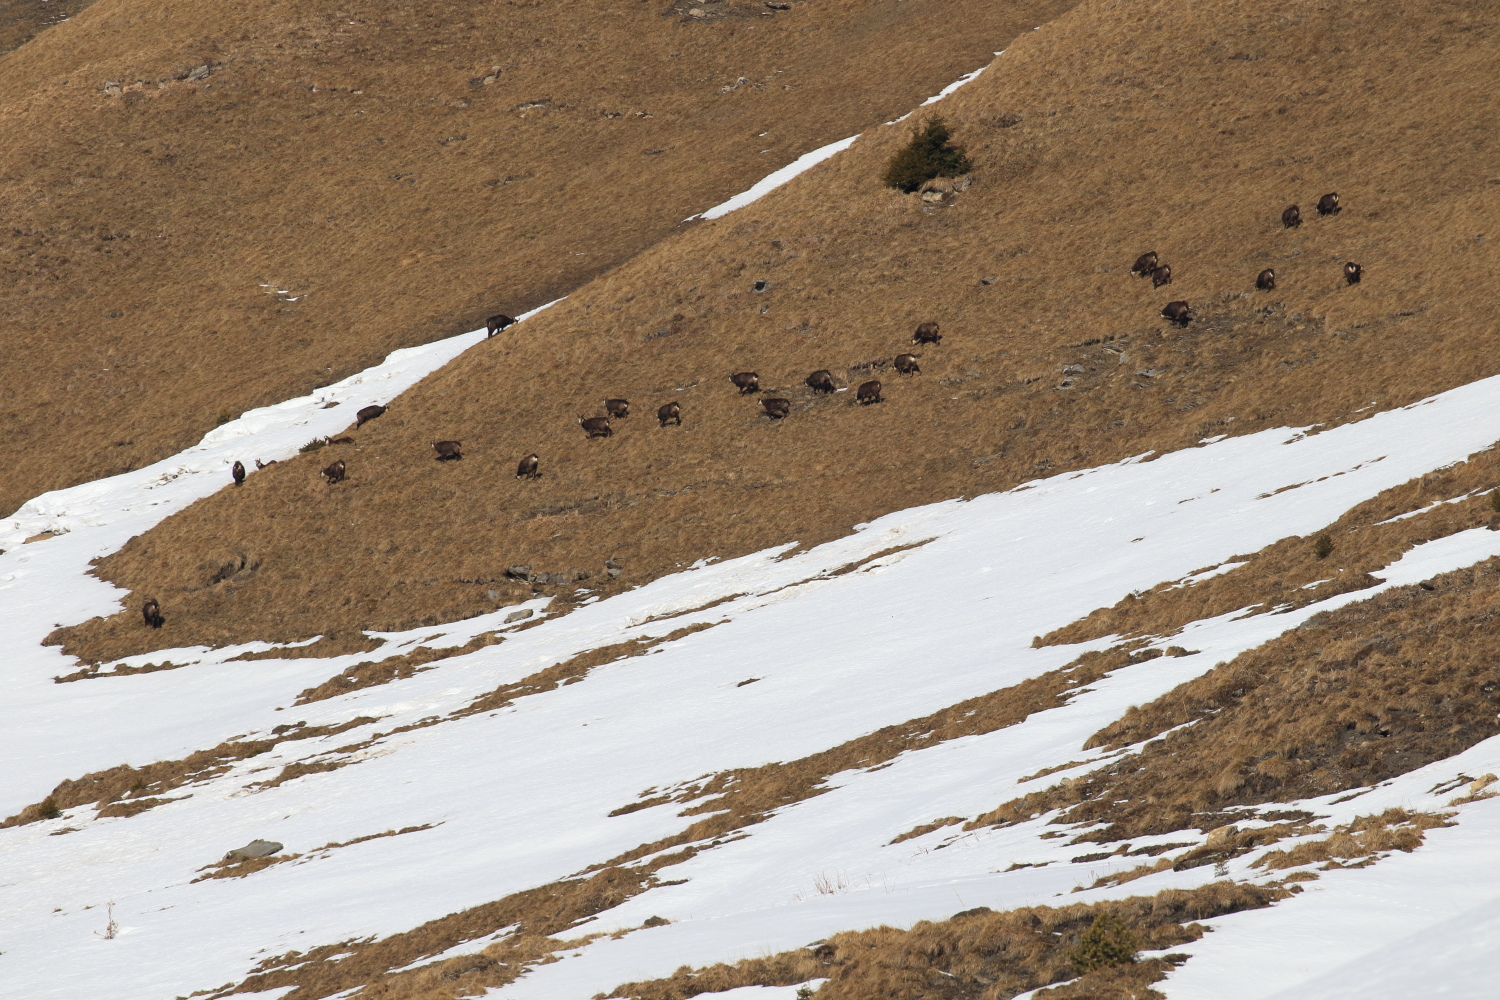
column 214, row 207
column 1148, row 127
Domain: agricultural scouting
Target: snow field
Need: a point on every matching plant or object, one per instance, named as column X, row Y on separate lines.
column 520, row 797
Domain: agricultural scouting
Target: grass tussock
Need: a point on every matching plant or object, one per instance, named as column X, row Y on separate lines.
column 1361, row 841
column 985, row 955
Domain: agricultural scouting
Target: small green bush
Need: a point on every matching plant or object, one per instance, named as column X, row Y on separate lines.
column 312, row 445
column 804, row 993
column 928, row 155
column 1108, row 941
column 47, row 809
column 1323, row 547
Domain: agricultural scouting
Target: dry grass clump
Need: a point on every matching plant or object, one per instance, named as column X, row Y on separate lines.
column 1365, row 838
column 23, row 20
column 245, row 201
column 1353, row 697
column 1281, row 576
column 371, row 673
column 983, row 955
column 127, row 790
column 852, row 267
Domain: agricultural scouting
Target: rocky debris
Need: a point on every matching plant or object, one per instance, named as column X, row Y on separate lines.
column 254, row 849
column 613, row 568
column 518, row 572
column 516, row 616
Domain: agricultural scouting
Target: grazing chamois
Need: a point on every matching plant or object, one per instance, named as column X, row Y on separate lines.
column 927, row 333
column 869, row 392
column 496, row 323
column 669, row 413
column 1352, row 273
column 528, row 468
column 821, row 381
column 151, row 612
column 746, row 382
column 448, row 451
column 238, row 472
column 1266, row 280
column 1291, row 218
column 776, row 408
column 1161, row 276
column 906, row 364
column 366, row 414
column 263, row 465
column 595, row 427
column 1144, row 264
column 1177, row 312
column 338, row 440
column 1329, row 204
column 335, row 472
column 617, row 408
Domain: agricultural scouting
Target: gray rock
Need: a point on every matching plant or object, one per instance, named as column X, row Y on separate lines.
column 254, row 849
column 541, row 579
column 1073, row 369
column 518, row 572
column 516, row 616
column 614, row 572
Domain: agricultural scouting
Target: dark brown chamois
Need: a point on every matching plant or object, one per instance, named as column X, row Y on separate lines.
column 151, row 612
column 1177, row 312
column 1161, row 276
column 746, row 382
column 776, row 408
column 1144, row 264
column 869, row 392
column 927, row 333
column 238, row 472
column 335, row 472
column 496, row 323
column 366, row 414
column 669, row 413
column 1329, row 204
column 1291, row 217
column 821, row 381
column 448, row 451
column 906, row 364
column 617, row 408
column 261, row 465
column 1266, row 280
column 528, row 468
column 1352, row 273
column 595, row 427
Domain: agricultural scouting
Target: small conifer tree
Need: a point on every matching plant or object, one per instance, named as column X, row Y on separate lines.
column 1323, row 546
column 928, row 155
column 1108, row 941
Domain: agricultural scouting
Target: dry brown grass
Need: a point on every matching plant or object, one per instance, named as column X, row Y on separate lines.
column 1352, row 697
column 125, row 790
column 975, row 955
column 1213, row 118
column 352, row 154
column 1365, row 839
column 23, row 20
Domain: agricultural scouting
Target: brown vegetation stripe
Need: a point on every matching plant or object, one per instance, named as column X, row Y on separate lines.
column 1290, row 573
column 979, row 954
column 232, row 205
column 1053, row 221
column 127, row 790
column 249, row 866
column 1353, row 697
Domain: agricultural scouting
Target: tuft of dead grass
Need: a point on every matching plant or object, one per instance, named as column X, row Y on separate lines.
column 976, row 954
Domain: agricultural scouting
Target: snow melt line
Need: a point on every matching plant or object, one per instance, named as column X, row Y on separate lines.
column 807, row 161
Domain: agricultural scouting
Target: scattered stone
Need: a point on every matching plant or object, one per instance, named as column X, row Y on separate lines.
column 518, row 572
column 1073, row 369
column 516, row 616
column 254, row 849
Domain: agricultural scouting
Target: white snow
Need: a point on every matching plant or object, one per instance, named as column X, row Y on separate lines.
column 520, row 797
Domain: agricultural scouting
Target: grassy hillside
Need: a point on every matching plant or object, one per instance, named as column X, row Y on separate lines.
column 209, row 209
column 1109, row 132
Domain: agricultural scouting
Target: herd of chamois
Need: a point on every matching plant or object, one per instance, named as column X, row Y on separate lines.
column 1147, row 265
